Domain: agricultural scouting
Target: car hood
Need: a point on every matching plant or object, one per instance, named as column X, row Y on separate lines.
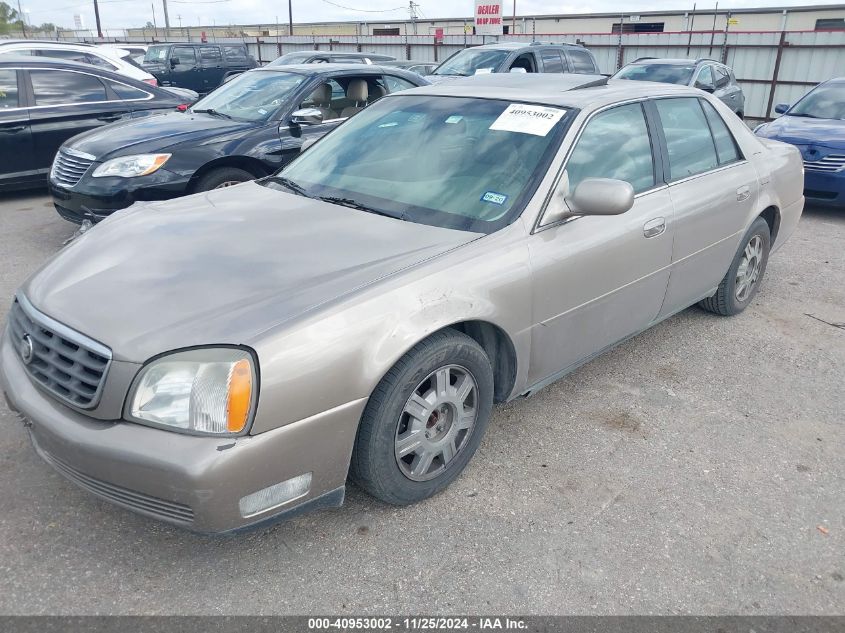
column 805, row 131
column 221, row 267
column 154, row 133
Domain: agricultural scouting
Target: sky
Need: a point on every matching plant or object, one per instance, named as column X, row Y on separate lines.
column 117, row 14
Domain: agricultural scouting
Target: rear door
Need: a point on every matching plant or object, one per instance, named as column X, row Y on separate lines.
column 184, row 69
column 17, row 159
column 212, row 69
column 581, row 61
column 68, row 102
column 553, row 61
column 713, row 189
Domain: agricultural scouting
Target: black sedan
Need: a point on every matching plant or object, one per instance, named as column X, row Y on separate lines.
column 246, row 129
column 44, row 102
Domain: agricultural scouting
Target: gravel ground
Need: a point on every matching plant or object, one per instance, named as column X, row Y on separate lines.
column 697, row 468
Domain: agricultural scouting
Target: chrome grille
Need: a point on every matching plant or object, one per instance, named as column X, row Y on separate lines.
column 830, row 163
column 69, row 365
column 138, row 501
column 68, row 168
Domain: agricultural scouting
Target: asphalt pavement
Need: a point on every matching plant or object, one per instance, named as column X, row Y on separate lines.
column 696, row 469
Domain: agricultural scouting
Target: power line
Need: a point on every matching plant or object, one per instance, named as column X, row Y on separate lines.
column 340, row 6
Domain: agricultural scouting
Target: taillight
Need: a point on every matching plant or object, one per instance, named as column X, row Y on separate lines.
column 182, row 107
column 152, row 81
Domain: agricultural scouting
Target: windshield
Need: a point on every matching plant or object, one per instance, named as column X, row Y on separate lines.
column 251, row 96
column 823, row 102
column 299, row 57
column 472, row 61
column 155, row 54
column 663, row 73
column 461, row 163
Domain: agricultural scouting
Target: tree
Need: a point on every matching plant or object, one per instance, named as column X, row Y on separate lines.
column 149, row 25
column 47, row 27
column 9, row 18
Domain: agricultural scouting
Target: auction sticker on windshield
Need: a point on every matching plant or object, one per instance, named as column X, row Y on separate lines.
column 528, row 119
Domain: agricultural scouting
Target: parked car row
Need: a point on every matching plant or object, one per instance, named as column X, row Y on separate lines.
column 232, row 358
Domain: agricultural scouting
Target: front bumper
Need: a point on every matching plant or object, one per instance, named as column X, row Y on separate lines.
column 191, row 481
column 824, row 188
column 97, row 198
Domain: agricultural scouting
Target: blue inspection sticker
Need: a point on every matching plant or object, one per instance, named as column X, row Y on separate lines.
column 493, row 197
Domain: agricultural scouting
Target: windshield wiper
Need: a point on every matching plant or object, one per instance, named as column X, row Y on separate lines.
column 354, row 204
column 213, row 112
column 290, row 184
column 805, row 114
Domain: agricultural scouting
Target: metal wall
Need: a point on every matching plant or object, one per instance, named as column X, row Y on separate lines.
column 772, row 67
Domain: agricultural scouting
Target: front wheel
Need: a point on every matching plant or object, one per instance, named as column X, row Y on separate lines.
column 425, row 420
column 742, row 281
column 222, row 177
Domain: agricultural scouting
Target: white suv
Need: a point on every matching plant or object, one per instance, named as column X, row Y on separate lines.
column 109, row 58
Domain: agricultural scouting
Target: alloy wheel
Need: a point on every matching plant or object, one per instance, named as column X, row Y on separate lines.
column 749, row 268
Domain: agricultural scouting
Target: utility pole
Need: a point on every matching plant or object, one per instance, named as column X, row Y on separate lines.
column 166, row 20
column 23, row 22
column 513, row 27
column 412, row 9
column 155, row 24
column 290, row 16
column 97, row 17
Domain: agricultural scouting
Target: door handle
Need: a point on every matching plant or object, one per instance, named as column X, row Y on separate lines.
column 11, row 130
column 654, row 227
column 109, row 117
column 743, row 193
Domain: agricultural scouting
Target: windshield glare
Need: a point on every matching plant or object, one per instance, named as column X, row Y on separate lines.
column 663, row 73
column 470, row 61
column 433, row 160
column 824, row 102
column 155, row 54
column 251, row 96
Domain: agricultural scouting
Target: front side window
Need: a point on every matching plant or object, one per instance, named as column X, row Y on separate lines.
column 615, row 144
column 184, row 56
column 156, row 54
column 8, row 89
column 251, row 96
column 662, row 73
column 722, row 77
column 688, row 140
column 826, row 101
column 582, row 61
column 397, row 84
column 472, row 62
column 526, row 62
column 462, row 163
column 726, row 147
column 55, row 87
column 705, row 77
column 552, row 62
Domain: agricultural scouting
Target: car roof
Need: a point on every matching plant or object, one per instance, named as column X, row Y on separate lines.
column 28, row 61
column 564, row 90
column 321, row 69
column 513, row 46
column 673, row 61
column 20, row 41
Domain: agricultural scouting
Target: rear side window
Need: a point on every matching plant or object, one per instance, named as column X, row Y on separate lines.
column 234, row 53
column 582, row 61
column 54, row 87
column 397, row 84
column 615, row 144
column 552, row 61
column 127, row 92
column 726, row 148
column 210, row 55
column 96, row 60
column 74, row 56
column 722, row 77
column 8, row 89
column 691, row 147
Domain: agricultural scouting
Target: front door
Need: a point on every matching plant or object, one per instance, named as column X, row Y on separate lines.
column 184, row 68
column 17, row 164
column 599, row 279
column 713, row 190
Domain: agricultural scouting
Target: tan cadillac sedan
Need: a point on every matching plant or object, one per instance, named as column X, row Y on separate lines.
column 232, row 357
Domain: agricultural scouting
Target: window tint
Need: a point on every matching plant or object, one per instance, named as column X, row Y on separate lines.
column 705, row 77
column 726, row 147
column 187, row 55
column 127, row 92
column 615, row 144
column 8, row 89
column 582, row 61
column 397, row 84
column 210, row 54
column 691, row 148
column 722, row 77
column 552, row 62
column 54, row 87
column 234, row 53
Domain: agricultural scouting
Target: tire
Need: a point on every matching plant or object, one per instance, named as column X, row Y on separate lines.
column 388, row 429
column 733, row 296
column 222, row 177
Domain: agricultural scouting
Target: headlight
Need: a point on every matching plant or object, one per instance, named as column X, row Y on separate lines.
column 131, row 166
column 210, row 390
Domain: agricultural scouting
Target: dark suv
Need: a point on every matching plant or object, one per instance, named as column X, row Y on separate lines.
column 705, row 74
column 505, row 57
column 200, row 67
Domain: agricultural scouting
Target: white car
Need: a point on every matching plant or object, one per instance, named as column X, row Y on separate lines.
column 110, row 58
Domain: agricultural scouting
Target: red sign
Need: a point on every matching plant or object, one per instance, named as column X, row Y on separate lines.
column 438, row 35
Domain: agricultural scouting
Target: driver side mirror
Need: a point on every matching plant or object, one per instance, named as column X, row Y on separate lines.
column 781, row 108
column 307, row 116
column 174, row 62
column 592, row 196
column 705, row 87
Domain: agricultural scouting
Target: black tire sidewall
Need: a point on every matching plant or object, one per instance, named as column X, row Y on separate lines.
column 374, row 461
column 758, row 227
column 220, row 175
